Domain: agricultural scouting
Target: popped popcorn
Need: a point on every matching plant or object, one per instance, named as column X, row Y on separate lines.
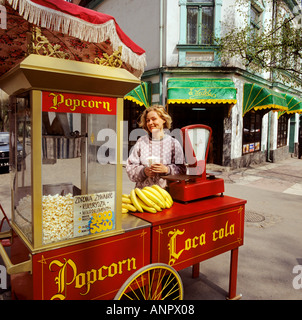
column 23, row 216
column 57, row 217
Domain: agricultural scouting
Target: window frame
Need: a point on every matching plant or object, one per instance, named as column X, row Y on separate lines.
column 282, row 131
column 256, row 24
column 201, row 4
column 252, row 144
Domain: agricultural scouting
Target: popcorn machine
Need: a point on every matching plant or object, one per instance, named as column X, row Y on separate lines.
column 64, row 187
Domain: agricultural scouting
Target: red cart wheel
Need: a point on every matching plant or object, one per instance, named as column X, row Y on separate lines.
column 157, row 281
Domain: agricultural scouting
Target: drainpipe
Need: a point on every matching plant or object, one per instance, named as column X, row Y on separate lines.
column 274, row 10
column 269, row 138
column 161, row 36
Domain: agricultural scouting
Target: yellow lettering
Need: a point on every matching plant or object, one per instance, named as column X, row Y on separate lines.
column 106, row 105
column 133, row 264
column 58, row 297
column 91, row 104
column 194, row 243
column 83, row 105
column 221, row 233
column 101, row 277
column 174, row 255
column 68, row 102
column 224, row 232
column 214, row 236
column 188, row 244
column 67, row 274
column 202, row 239
column 80, row 280
column 232, row 229
column 112, row 270
column 61, row 279
column 76, row 103
column 56, row 100
column 120, row 266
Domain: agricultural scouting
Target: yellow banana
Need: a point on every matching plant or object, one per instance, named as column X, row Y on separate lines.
column 166, row 194
column 168, row 203
column 125, row 195
column 124, row 210
column 145, row 207
column 155, row 206
column 129, row 207
column 159, row 189
column 135, row 202
column 143, row 197
column 126, row 200
column 157, row 194
column 152, row 197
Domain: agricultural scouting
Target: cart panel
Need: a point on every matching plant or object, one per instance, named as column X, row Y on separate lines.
column 186, row 242
column 93, row 270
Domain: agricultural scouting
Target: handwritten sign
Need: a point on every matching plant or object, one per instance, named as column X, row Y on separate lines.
column 94, row 213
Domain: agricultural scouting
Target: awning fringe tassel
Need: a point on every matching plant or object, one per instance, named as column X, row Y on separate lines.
column 78, row 28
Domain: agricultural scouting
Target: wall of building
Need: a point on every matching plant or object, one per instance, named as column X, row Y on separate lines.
column 139, row 19
column 172, row 18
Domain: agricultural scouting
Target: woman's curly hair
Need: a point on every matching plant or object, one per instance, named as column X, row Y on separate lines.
column 161, row 111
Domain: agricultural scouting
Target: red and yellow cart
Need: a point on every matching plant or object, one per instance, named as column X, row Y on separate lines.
column 69, row 238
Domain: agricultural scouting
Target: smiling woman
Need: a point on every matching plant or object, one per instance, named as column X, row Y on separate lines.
column 157, row 153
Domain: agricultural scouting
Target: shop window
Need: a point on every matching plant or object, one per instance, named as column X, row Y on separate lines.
column 282, row 131
column 251, row 140
column 200, row 22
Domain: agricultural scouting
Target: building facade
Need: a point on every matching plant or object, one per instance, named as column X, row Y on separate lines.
column 253, row 118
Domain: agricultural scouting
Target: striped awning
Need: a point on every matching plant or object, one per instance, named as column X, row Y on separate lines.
column 259, row 98
column 140, row 95
column 294, row 105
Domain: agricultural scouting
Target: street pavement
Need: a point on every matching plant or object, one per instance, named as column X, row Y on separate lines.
column 272, row 240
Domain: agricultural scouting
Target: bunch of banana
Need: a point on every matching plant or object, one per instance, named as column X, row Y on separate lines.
column 150, row 199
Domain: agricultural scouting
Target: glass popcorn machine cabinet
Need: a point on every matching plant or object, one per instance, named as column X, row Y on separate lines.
column 66, row 159
column 196, row 183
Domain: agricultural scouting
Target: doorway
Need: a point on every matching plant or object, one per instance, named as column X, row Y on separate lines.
column 207, row 114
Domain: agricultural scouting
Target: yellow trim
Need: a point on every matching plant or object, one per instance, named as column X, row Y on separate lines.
column 271, row 106
column 202, row 101
column 171, row 88
column 119, row 164
column 134, row 100
column 36, row 169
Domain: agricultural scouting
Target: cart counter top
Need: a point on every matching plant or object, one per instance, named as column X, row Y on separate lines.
column 183, row 211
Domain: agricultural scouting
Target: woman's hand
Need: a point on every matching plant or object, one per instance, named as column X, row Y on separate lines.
column 148, row 172
column 159, row 168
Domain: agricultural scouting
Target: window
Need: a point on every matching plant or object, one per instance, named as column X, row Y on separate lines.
column 200, row 21
column 251, row 140
column 255, row 21
column 282, row 131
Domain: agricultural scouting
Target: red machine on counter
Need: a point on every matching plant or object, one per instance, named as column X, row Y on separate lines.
column 196, row 184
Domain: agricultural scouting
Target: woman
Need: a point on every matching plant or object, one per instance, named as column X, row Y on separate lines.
column 156, row 154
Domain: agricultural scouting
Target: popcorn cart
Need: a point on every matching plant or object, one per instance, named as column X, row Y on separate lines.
column 69, row 238
column 66, row 188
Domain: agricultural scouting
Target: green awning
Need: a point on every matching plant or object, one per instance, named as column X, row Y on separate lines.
column 194, row 90
column 294, row 105
column 258, row 98
column 140, row 95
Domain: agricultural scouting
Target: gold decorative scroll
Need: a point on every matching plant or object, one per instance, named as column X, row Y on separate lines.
column 40, row 45
column 112, row 61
